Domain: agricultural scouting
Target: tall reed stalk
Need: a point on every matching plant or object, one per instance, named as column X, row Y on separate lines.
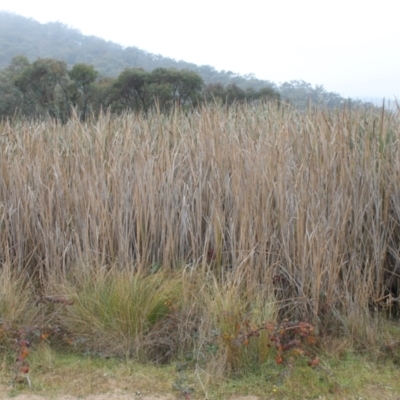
column 305, row 206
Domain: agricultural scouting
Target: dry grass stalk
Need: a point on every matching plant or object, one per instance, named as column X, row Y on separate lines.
column 303, row 206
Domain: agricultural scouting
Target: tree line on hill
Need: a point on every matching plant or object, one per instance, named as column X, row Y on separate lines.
column 47, row 87
column 21, row 35
column 54, row 40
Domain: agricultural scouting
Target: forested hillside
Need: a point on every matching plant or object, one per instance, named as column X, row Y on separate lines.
column 48, row 87
column 20, row 36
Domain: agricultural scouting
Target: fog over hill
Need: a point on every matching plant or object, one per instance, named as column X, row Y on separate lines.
column 20, row 35
column 24, row 36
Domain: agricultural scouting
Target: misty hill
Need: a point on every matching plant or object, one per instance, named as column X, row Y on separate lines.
column 20, row 35
column 24, row 36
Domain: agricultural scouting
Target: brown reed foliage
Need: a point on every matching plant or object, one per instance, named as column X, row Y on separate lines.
column 302, row 205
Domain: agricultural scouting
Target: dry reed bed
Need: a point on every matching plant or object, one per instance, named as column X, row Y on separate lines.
column 302, row 205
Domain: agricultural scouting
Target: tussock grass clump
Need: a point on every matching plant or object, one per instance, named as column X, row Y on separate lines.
column 114, row 312
column 294, row 214
column 17, row 307
column 225, row 308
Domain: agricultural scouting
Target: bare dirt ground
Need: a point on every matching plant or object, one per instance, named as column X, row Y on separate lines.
column 116, row 395
column 4, row 395
column 106, row 396
column 371, row 393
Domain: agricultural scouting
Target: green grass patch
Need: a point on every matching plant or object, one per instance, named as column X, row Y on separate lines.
column 56, row 373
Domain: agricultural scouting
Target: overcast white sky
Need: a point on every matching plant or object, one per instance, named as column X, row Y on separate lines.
column 349, row 46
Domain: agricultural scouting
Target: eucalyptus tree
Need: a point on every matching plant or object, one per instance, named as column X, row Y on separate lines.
column 44, row 83
column 83, row 77
column 176, row 87
column 131, row 90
